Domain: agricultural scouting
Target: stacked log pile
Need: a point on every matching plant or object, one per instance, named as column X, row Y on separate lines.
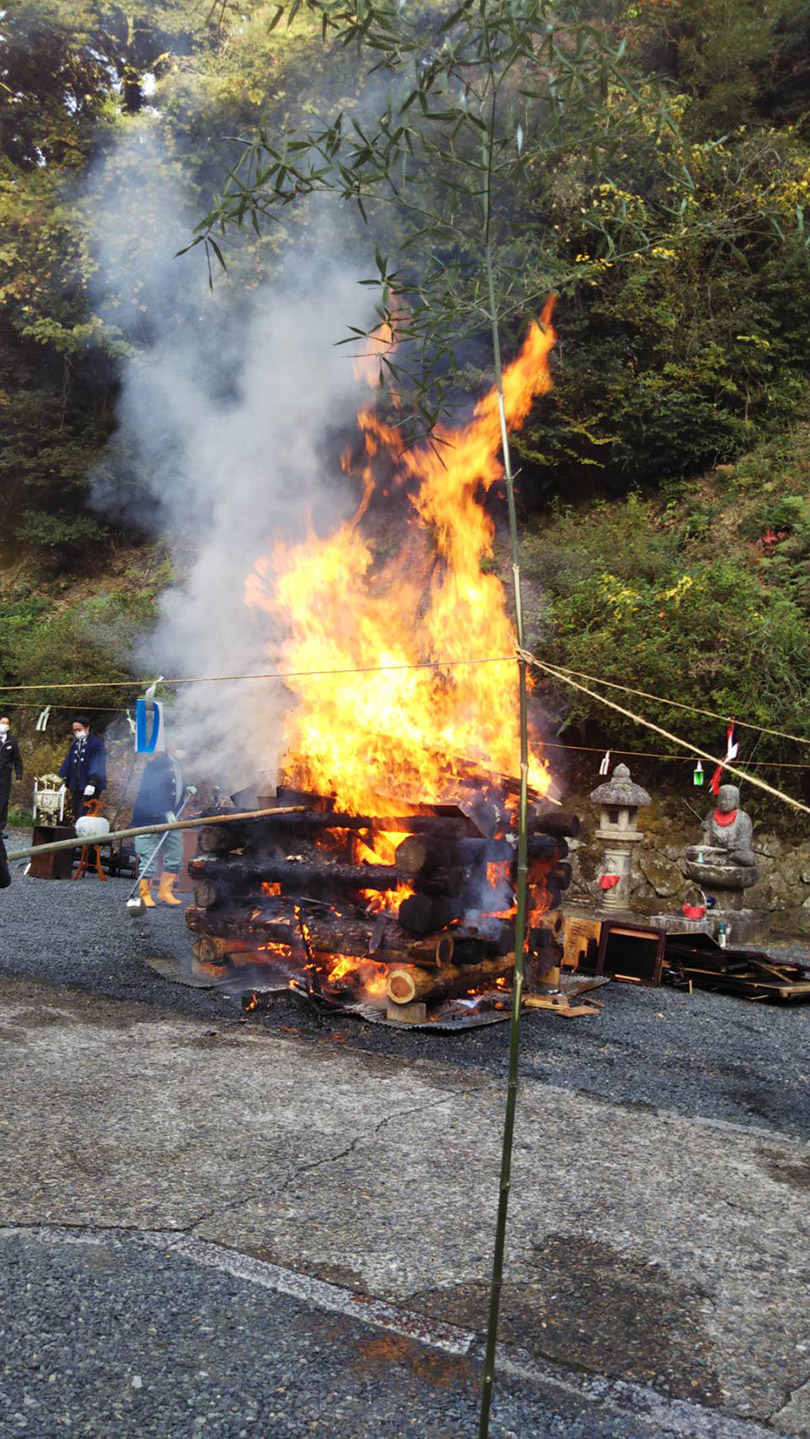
column 435, row 922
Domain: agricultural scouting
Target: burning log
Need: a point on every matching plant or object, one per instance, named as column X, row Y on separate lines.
column 553, row 822
column 471, row 943
column 222, row 839
column 408, row 985
column 314, row 929
column 213, row 950
column 420, row 913
column 219, row 879
column 547, row 847
column 420, row 855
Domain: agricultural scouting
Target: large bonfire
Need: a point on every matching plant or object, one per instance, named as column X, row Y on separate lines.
column 390, row 883
column 393, row 661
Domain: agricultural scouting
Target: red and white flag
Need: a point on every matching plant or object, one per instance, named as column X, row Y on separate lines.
column 732, row 750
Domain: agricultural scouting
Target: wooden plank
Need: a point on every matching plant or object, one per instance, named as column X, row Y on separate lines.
column 581, row 942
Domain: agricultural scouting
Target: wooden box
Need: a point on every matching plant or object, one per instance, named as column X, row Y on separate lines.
column 58, row 865
column 630, row 953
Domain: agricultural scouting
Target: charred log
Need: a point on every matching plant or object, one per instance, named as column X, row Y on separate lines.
column 313, row 930
column 553, row 822
column 421, row 913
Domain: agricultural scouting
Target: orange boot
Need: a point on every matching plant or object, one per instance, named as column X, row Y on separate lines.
column 166, row 893
column 145, row 892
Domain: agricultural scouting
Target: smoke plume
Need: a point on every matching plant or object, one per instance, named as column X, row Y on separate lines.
column 228, row 415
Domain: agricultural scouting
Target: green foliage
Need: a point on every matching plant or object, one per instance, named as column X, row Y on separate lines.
column 68, row 536
column 739, row 60
column 634, row 592
column 73, row 78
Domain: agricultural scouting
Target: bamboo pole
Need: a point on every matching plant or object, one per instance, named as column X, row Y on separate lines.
column 197, row 823
column 522, row 872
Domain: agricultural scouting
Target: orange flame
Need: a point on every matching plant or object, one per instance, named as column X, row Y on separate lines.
column 404, row 726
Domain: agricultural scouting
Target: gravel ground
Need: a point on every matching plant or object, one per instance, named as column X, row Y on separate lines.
column 112, row 1337
column 707, row 1054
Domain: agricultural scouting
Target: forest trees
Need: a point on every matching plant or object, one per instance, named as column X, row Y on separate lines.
column 680, row 252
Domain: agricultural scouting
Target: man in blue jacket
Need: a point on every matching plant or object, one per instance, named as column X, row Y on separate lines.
column 84, row 768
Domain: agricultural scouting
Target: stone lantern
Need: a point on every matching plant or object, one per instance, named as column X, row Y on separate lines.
column 618, row 831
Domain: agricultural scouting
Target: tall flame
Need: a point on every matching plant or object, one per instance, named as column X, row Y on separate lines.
column 396, row 729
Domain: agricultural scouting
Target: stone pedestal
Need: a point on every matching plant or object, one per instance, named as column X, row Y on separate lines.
column 617, row 859
column 726, row 884
column 744, row 927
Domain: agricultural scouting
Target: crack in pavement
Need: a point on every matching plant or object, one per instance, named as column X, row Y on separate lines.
column 369, row 1134
column 786, row 1403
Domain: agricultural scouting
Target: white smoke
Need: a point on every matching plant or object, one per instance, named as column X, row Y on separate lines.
column 227, row 415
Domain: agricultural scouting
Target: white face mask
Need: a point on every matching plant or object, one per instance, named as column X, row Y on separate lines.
column 80, row 734
column 4, row 729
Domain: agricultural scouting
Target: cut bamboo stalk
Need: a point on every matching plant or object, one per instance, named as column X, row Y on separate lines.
column 410, row 985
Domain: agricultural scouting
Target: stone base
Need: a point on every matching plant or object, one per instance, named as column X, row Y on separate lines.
column 678, row 924
column 744, row 927
column 724, row 877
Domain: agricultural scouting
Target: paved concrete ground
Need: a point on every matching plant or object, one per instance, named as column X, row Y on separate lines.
column 285, row 1226
column 169, row 1177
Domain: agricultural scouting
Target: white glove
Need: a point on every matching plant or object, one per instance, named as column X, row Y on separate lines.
column 89, row 789
column 191, row 789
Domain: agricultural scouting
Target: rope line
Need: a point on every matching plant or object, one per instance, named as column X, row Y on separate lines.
column 45, row 687
column 680, row 705
column 560, row 675
column 271, row 675
column 649, row 754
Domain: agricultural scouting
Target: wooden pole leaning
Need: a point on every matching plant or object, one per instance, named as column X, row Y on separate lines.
column 196, row 823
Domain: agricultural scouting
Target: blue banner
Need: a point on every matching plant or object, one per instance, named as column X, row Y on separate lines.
column 149, row 741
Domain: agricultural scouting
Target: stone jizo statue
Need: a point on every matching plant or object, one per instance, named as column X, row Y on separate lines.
column 725, row 859
column 729, row 829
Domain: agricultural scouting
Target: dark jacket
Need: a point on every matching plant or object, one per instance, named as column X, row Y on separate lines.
column 85, row 763
column 10, row 755
column 160, row 791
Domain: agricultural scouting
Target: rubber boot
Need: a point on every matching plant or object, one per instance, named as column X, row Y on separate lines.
column 166, row 893
column 145, row 892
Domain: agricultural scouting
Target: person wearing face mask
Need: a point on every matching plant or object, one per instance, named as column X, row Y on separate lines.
column 84, row 767
column 9, row 760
